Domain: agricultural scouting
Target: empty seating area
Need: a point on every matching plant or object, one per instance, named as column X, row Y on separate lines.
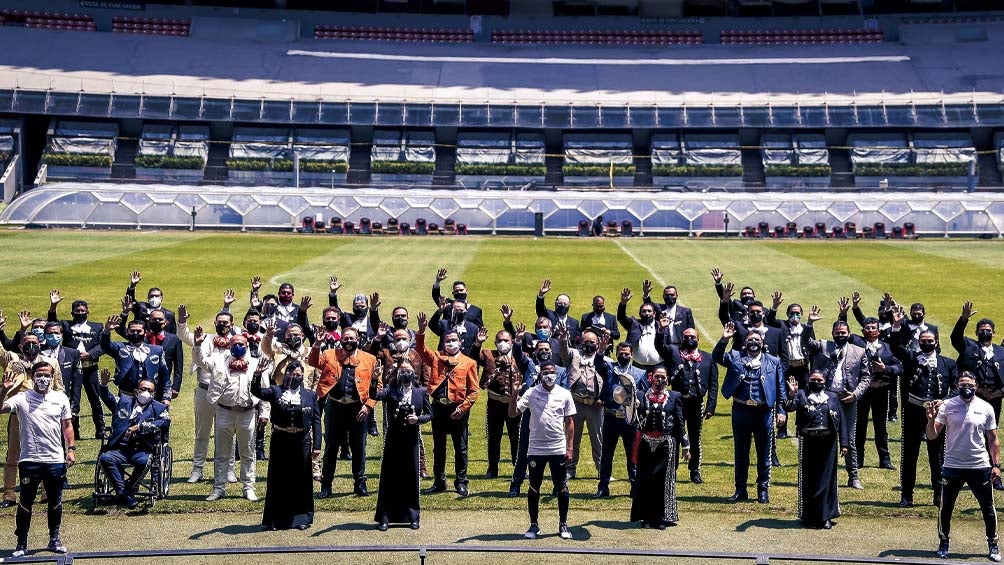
column 151, row 26
column 599, row 37
column 395, row 34
column 47, row 20
column 800, row 36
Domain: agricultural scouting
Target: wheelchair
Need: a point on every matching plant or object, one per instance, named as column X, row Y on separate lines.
column 153, row 482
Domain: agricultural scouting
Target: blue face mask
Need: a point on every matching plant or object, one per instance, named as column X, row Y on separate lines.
column 543, row 334
column 39, row 333
column 238, row 350
column 53, row 340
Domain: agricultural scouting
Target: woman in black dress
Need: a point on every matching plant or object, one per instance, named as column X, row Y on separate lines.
column 820, row 431
column 408, row 406
column 296, row 440
column 660, row 432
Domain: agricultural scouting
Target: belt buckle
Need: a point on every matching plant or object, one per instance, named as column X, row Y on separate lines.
column 443, row 400
column 752, row 402
column 619, row 414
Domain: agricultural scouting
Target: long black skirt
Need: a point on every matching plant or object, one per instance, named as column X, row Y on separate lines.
column 817, row 479
column 398, row 496
column 654, row 494
column 289, row 500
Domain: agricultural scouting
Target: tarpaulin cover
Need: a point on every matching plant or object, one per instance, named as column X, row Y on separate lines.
column 258, row 151
column 948, row 147
column 484, row 148
column 711, row 149
column 598, row 149
column 810, row 149
column 777, row 149
column 154, row 147
column 879, row 148
column 191, row 149
column 419, row 147
column 82, row 145
column 6, row 143
column 529, row 149
column 87, row 129
column 317, row 144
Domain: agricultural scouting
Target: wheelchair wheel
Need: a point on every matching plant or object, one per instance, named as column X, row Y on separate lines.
column 166, row 465
column 103, row 490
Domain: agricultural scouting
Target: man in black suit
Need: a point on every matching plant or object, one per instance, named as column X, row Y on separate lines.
column 981, row 357
column 174, row 354
column 473, row 314
column 694, row 374
column 69, row 365
column 886, row 369
column 141, row 310
column 680, row 317
column 736, row 308
column 364, row 316
column 451, row 319
column 84, row 337
column 906, row 334
column 599, row 319
column 756, row 316
column 559, row 316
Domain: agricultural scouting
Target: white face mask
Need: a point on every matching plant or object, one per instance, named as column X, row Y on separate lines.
column 452, row 347
column 42, row 383
column 402, row 345
column 503, row 347
column 155, row 301
column 144, row 397
column 549, row 379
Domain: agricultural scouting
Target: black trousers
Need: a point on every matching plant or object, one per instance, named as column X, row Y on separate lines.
column 558, row 477
column 496, row 420
column 894, row 394
column 51, row 476
column 519, row 469
column 97, row 398
column 693, row 417
column 979, row 482
column 616, row 430
column 339, row 420
column 996, row 404
column 752, row 424
column 443, row 425
column 875, row 402
column 914, row 431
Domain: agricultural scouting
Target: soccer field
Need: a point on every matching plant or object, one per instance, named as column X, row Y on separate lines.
column 194, row 269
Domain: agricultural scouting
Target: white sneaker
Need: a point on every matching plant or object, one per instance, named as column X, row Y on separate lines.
column 250, row 494
column 195, row 477
column 231, row 477
column 215, row 495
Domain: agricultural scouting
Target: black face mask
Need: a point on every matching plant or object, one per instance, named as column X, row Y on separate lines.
column 840, row 340
column 560, row 309
column 599, row 311
column 753, row 346
column 747, row 300
column 291, row 382
column 458, row 316
column 252, row 327
column 294, row 342
column 543, row 356
column 589, row 348
column 359, row 312
column 623, row 359
column 405, row 378
column 349, row 346
column 461, row 296
column 917, row 319
column 756, row 316
column 927, row 347
column 400, row 323
column 80, row 318
column 816, row 386
column 669, row 300
column 135, row 339
column 31, row 349
column 984, row 336
column 690, row 343
column 222, row 329
column 156, row 327
column 331, row 325
column 646, row 319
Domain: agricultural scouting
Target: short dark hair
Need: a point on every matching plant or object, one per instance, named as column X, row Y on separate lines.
column 755, row 302
column 455, row 283
column 56, row 325
column 334, row 309
column 252, row 312
column 161, row 310
column 750, row 288
column 669, row 286
column 986, row 321
column 285, row 285
column 268, row 297
column 841, row 323
column 136, row 322
column 224, row 313
column 154, row 289
column 870, row 320
column 77, row 303
column 966, row 375
column 625, row 344
column 918, row 306
column 793, row 305
column 40, row 364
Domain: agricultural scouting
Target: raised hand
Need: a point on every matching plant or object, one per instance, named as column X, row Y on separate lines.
column 646, row 287
column 229, row 297
column 898, row 315
column 256, row 283
column 3, row 320
column 441, row 275
column 507, row 312
column 306, row 302
column 200, row 336
column 545, row 287
column 444, row 304
column 717, row 274
column 263, row 364
column 127, row 303
column 792, row 385
column 182, row 314
column 135, row 277
column 967, row 310
column 728, row 290
column 520, row 331
column 269, row 326
column 843, row 304
column 54, row 297
column 625, row 295
column 729, row 330
column 776, row 299
column 560, row 331
column 375, row 301
column 856, row 299
column 382, row 330
column 8, row 380
column 24, row 316
column 333, row 284
column 815, row 314
column 482, row 336
column 423, row 321
column 112, row 322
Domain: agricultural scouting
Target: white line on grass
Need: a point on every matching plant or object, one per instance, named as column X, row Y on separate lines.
column 658, row 279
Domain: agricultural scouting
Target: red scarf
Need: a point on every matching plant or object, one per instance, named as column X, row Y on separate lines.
column 255, row 338
column 657, row 396
column 238, row 365
column 221, row 341
column 155, row 339
column 693, row 357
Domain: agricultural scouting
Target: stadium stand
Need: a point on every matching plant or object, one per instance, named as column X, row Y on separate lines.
column 800, row 36
column 598, row 37
column 394, row 34
column 48, row 20
column 151, row 26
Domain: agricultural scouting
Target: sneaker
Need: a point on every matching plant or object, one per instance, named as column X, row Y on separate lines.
column 195, row 477
column 250, row 494
column 231, row 477
column 994, row 552
column 563, row 532
column 56, row 544
column 532, row 532
column 943, row 549
column 215, row 495
column 21, row 549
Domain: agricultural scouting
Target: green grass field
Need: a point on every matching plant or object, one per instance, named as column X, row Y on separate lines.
column 194, row 269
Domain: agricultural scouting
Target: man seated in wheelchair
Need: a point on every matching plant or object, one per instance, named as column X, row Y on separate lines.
column 138, row 424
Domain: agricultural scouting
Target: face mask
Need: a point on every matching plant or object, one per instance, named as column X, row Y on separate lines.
column 144, row 398
column 816, row 386
column 30, row 350
column 917, row 319
column 756, row 316
column 646, row 319
column 155, row 327
column 252, row 327
column 984, row 336
column 589, row 349
column 451, row 347
column 292, row 381
column 458, row 316
column 561, row 309
column 268, row 310
column 359, row 311
column 927, row 347
column 349, row 345
column 405, row 378
column 840, row 340
column 461, row 296
column 41, row 383
column 39, row 333
column 135, row 339
column 885, row 317
column 154, row 301
column 669, row 300
column 238, row 350
column 503, row 347
column 795, row 317
column 659, row 382
column 967, row 393
column 402, row 345
column 753, row 346
column 548, row 379
column 623, row 359
column 53, row 340
column 543, row 356
column 871, row 335
column 747, row 300
column 690, row 343
column 331, row 325
column 222, row 329
column 400, row 323
column 543, row 334
column 294, row 342
column 79, row 318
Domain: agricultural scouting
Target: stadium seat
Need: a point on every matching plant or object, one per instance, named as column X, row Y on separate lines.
column 879, row 231
column 405, row 229
column 308, row 224
column 433, row 229
column 335, row 226
column 365, row 226
column 778, row 232
column 897, row 232
column 420, row 227
column 791, row 230
column 350, row 228
column 820, row 230
column 850, row 230
column 909, row 230
column 583, row 230
column 393, row 228
column 627, row 228
column 449, row 227
column 868, row 232
column 612, row 229
column 377, row 228
column 763, row 230
column 461, row 229
column 807, row 232
column 838, row 232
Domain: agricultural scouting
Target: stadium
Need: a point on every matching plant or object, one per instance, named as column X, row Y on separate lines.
column 740, row 129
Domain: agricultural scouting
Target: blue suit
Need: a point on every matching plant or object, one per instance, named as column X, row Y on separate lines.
column 136, row 449
column 128, row 371
column 753, row 409
column 616, row 426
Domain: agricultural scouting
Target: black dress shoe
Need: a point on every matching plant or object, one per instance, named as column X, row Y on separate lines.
column 782, row 434
column 513, row 491
column 762, row 497
column 887, row 464
column 827, row 525
column 302, row 527
column 738, row 496
column 569, row 474
column 491, row 474
column 905, row 502
column 414, row 525
column 383, row 526
column 325, row 492
column 7, row 503
column 774, row 461
column 893, row 418
column 345, row 456
column 695, row 477
column 462, row 490
column 937, row 500
column 436, row 487
column 361, row 490
column 602, row 493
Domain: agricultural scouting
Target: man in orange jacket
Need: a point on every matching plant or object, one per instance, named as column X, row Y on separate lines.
column 349, row 381
column 453, row 385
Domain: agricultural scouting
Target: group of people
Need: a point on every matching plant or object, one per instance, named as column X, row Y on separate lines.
column 650, row 390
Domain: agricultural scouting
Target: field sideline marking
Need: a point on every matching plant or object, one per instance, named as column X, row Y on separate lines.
column 658, row 279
